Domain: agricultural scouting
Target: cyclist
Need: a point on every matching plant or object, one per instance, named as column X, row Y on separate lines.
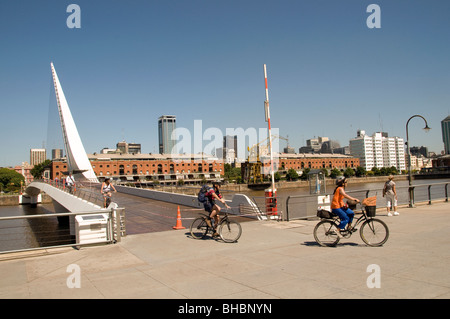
column 70, row 182
column 339, row 207
column 212, row 208
column 106, row 190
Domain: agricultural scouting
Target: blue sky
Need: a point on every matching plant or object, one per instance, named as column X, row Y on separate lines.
column 133, row 61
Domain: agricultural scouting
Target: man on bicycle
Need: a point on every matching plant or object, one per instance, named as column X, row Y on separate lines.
column 338, row 206
column 70, row 182
column 211, row 207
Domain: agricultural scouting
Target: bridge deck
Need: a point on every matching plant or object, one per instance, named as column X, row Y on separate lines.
column 144, row 215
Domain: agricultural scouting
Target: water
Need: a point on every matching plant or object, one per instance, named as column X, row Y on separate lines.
column 31, row 233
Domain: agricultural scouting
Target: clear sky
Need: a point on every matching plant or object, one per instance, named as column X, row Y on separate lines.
column 133, row 61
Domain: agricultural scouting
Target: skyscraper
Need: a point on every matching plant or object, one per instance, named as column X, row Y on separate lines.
column 445, row 124
column 37, row 156
column 166, row 125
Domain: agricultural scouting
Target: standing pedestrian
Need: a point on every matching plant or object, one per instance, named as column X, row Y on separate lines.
column 391, row 196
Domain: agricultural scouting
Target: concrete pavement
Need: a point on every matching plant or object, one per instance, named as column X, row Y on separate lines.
column 271, row 260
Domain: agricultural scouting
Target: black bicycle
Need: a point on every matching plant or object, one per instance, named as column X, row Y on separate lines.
column 229, row 230
column 374, row 232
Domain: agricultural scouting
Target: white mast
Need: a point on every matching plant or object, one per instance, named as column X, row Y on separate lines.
column 266, row 104
column 77, row 160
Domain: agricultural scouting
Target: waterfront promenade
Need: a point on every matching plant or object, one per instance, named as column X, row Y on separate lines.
column 271, row 260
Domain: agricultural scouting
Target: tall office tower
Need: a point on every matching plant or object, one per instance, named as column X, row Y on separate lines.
column 37, row 156
column 378, row 150
column 166, row 125
column 445, row 124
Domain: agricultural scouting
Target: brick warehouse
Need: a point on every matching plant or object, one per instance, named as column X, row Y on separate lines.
column 191, row 168
column 317, row 161
column 146, row 167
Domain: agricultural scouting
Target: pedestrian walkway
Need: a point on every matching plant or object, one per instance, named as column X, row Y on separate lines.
column 271, row 260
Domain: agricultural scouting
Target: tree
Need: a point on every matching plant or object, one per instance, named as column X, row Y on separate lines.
column 360, row 171
column 393, row 170
column 10, row 180
column 335, row 173
column 305, row 173
column 292, row 175
column 277, row 176
column 349, row 172
column 38, row 169
column 376, row 171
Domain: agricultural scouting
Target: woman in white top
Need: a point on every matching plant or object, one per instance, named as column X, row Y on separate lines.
column 391, row 196
column 106, row 191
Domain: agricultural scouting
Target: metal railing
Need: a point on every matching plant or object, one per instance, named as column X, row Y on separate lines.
column 305, row 206
column 83, row 190
column 35, row 232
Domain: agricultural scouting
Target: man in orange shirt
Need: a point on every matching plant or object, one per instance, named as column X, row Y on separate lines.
column 338, row 206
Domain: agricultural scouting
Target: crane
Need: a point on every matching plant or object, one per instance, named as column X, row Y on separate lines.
column 251, row 173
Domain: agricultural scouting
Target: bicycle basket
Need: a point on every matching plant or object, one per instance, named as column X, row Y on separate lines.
column 371, row 211
column 322, row 213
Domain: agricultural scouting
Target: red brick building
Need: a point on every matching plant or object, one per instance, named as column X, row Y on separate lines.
column 147, row 167
column 316, row 161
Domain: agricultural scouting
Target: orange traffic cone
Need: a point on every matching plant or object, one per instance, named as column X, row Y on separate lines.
column 178, row 226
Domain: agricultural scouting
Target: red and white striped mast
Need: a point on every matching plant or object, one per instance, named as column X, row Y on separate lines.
column 267, row 111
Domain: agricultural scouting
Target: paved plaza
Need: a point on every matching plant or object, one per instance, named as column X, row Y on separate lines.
column 272, row 260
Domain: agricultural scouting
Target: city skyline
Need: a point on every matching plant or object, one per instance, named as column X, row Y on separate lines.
column 328, row 73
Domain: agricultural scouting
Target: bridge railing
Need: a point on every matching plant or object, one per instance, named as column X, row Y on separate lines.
column 44, row 231
column 305, row 206
column 84, row 190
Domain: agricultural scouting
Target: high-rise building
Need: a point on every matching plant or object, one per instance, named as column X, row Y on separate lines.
column 37, row 156
column 166, row 125
column 445, row 124
column 378, row 150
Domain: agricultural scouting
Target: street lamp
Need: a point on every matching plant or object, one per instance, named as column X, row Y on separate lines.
column 426, row 128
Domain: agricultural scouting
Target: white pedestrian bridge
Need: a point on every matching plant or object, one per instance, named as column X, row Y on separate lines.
column 63, row 200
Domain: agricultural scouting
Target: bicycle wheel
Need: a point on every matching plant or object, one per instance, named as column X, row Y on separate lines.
column 325, row 233
column 230, row 231
column 199, row 229
column 374, row 232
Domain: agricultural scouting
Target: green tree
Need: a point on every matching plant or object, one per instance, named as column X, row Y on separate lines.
column 349, row 172
column 335, row 173
column 305, row 173
column 291, row 175
column 376, row 171
column 38, row 169
column 277, row 176
column 393, row 170
column 10, row 180
column 360, row 171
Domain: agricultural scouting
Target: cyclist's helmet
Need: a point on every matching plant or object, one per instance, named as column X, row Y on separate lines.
column 340, row 180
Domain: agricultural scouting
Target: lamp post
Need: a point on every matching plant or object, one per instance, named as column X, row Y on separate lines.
column 426, row 128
